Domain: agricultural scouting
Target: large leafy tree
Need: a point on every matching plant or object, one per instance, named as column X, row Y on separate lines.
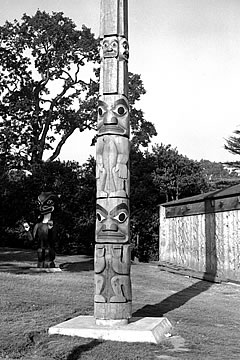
column 44, row 95
column 175, row 175
column 41, row 63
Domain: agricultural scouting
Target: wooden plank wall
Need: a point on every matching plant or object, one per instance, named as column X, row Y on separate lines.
column 206, row 243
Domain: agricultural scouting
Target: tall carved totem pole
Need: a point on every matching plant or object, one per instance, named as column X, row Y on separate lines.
column 113, row 296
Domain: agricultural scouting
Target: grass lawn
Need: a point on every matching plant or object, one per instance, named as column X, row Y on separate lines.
column 205, row 316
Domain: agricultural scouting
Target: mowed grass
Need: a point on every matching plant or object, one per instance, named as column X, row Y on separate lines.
column 205, row 316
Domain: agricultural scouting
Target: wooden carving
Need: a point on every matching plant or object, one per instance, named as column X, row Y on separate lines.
column 113, row 115
column 117, row 286
column 44, row 232
column 110, row 47
column 113, row 296
column 112, row 220
column 112, row 172
column 114, row 18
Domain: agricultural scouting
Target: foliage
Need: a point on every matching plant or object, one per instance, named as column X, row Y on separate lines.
column 233, row 143
column 42, row 92
column 219, row 175
column 142, row 130
column 144, row 200
column 233, row 146
column 155, row 177
column 44, row 96
column 74, row 212
column 43, row 100
column 175, row 175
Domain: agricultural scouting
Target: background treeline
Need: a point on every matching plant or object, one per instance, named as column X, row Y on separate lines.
column 157, row 176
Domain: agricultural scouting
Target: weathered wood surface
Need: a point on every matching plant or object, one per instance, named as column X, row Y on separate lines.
column 114, row 18
column 112, row 279
column 113, row 296
column 207, row 243
column 213, row 201
column 112, row 223
column 217, row 205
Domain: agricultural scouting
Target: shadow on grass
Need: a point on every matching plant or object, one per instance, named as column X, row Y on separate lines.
column 20, row 261
column 18, row 255
column 86, row 265
column 182, row 297
column 17, row 261
column 174, row 301
column 14, row 268
column 77, row 351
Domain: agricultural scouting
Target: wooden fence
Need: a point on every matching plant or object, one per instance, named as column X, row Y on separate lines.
column 202, row 233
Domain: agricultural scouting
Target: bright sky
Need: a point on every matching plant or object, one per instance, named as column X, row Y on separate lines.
column 188, row 55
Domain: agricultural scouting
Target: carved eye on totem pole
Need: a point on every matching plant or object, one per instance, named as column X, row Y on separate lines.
column 110, row 47
column 113, row 115
column 123, row 49
column 112, row 223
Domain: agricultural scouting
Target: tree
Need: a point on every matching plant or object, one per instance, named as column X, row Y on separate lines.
column 144, row 201
column 219, row 175
column 35, row 54
column 142, row 130
column 233, row 143
column 43, row 97
column 175, row 175
column 233, row 146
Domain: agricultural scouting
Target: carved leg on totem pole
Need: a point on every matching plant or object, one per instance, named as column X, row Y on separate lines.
column 113, row 297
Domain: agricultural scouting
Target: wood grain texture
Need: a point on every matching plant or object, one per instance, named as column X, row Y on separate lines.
column 112, row 280
column 112, row 220
column 114, row 18
column 112, row 166
column 208, row 243
column 112, row 253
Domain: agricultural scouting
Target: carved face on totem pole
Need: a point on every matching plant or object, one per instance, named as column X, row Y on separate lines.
column 113, row 115
column 110, row 47
column 46, row 202
column 112, row 223
column 123, row 49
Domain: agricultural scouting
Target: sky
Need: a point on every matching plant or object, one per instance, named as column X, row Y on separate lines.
column 188, row 55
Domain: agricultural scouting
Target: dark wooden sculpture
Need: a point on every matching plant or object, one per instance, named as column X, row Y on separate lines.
column 44, row 232
column 113, row 296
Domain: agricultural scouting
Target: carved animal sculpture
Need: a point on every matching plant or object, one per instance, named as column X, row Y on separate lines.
column 44, row 232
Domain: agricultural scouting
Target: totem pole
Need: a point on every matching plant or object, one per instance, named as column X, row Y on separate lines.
column 113, row 297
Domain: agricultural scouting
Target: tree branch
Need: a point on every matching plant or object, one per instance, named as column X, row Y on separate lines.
column 60, row 145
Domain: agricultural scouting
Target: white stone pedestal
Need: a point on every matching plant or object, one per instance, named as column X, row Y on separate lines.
column 149, row 329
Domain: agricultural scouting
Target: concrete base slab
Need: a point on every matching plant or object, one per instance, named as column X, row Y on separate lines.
column 46, row 270
column 149, row 329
